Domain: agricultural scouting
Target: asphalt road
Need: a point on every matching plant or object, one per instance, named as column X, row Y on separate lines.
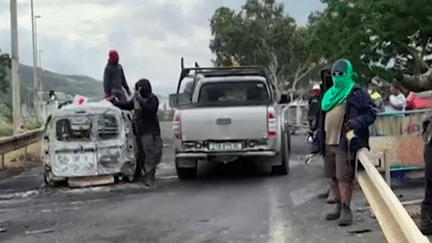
column 238, row 202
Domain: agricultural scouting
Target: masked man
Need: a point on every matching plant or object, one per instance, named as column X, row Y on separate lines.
column 145, row 105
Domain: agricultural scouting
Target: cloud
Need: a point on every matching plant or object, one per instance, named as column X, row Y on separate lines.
column 151, row 36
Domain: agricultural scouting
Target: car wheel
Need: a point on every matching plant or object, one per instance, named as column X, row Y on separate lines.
column 283, row 169
column 186, row 173
column 49, row 182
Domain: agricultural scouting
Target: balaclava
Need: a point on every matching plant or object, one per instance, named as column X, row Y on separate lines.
column 113, row 57
column 343, row 83
column 145, row 88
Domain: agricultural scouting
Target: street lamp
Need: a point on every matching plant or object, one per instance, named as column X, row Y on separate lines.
column 35, row 79
column 40, row 59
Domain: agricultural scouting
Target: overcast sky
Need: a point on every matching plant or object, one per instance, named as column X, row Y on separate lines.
column 150, row 35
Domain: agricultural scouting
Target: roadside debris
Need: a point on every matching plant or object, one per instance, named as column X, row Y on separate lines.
column 356, row 232
column 43, row 231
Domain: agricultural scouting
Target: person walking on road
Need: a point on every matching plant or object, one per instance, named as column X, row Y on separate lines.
column 145, row 105
column 348, row 111
column 313, row 108
column 114, row 79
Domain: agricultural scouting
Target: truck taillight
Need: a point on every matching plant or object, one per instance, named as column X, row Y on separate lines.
column 177, row 126
column 271, row 121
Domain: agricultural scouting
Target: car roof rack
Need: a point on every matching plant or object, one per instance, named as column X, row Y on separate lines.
column 221, row 71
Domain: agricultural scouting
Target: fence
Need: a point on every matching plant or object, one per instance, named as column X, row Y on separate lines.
column 296, row 113
column 396, row 141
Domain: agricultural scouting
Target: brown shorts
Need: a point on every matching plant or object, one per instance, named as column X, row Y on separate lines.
column 336, row 163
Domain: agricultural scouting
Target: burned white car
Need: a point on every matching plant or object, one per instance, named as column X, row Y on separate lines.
column 92, row 140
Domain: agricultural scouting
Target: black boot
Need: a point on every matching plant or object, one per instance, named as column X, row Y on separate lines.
column 346, row 217
column 335, row 213
column 425, row 224
column 150, row 177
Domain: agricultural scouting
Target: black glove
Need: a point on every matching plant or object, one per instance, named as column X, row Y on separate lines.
column 350, row 124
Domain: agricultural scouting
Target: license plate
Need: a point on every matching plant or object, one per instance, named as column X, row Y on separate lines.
column 225, row 146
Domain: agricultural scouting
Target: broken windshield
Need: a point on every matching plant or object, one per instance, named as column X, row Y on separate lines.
column 80, row 128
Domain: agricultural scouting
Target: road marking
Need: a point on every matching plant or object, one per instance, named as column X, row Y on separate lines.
column 172, row 177
column 59, row 210
column 279, row 233
column 305, row 194
column 11, row 196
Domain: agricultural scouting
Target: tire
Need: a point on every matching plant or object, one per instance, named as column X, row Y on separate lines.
column 129, row 178
column 49, row 182
column 283, row 169
column 186, row 173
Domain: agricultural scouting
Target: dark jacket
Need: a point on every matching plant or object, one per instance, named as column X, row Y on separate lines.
column 146, row 119
column 360, row 108
column 114, row 78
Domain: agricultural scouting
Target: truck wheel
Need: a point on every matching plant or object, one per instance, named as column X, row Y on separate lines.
column 285, row 150
column 186, row 173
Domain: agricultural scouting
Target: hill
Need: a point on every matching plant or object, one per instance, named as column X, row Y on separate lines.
column 68, row 84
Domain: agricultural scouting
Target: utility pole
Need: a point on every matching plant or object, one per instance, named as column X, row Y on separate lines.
column 16, row 82
column 35, row 79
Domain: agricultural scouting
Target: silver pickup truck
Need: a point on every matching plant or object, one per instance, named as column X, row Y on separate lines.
column 222, row 114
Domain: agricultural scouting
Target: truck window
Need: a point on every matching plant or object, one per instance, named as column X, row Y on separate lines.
column 74, row 129
column 107, row 127
column 233, row 94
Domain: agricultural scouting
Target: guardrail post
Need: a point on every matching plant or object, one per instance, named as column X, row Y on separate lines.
column 387, row 169
column 3, row 163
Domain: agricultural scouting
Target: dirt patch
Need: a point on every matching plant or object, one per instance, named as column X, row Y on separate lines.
column 18, row 161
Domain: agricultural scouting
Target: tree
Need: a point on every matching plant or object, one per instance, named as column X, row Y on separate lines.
column 5, row 64
column 381, row 37
column 260, row 34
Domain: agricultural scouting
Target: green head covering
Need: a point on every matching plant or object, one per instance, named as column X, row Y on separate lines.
column 342, row 73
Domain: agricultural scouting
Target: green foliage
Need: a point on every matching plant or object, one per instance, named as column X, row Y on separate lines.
column 5, row 64
column 373, row 32
column 260, row 34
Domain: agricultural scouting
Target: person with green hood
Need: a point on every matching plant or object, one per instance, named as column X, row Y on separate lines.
column 347, row 111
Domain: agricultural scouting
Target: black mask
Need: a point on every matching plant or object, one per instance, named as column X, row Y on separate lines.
column 143, row 85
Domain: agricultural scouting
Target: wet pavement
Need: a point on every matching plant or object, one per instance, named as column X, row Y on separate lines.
column 237, row 202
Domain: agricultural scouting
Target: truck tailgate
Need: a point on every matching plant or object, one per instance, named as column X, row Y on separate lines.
column 224, row 123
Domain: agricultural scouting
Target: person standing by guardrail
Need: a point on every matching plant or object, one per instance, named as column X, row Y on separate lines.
column 114, row 79
column 425, row 224
column 145, row 105
column 347, row 110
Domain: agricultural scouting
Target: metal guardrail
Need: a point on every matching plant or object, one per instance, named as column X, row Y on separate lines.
column 20, row 141
column 394, row 220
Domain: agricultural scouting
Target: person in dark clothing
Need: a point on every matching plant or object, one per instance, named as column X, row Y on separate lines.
column 329, row 165
column 114, row 79
column 425, row 224
column 346, row 113
column 145, row 105
column 313, row 108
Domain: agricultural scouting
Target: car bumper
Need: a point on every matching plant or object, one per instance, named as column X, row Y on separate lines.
column 240, row 154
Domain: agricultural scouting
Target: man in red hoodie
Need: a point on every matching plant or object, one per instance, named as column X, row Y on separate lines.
column 114, row 79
